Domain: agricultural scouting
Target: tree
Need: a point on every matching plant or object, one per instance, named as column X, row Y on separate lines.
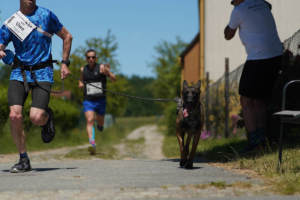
column 116, row 104
column 105, row 50
column 167, row 85
column 167, row 69
column 141, row 86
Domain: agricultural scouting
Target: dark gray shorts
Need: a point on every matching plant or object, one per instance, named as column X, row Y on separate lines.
column 40, row 94
column 258, row 78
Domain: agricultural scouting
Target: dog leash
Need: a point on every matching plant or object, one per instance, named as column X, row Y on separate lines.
column 176, row 99
column 10, row 61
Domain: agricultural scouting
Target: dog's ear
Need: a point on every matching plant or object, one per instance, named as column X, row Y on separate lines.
column 198, row 84
column 185, row 84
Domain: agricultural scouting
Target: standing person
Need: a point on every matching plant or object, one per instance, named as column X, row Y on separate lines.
column 258, row 33
column 32, row 70
column 93, row 80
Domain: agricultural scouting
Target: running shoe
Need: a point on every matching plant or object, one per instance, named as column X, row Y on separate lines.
column 22, row 166
column 100, row 128
column 48, row 130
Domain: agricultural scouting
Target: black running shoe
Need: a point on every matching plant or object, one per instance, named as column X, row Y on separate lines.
column 48, row 130
column 100, row 128
column 22, row 166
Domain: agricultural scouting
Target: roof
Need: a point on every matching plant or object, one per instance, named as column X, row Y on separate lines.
column 190, row 46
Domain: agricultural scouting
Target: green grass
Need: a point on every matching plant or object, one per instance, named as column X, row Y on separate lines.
column 224, row 152
column 74, row 137
column 114, row 135
column 34, row 142
column 212, row 149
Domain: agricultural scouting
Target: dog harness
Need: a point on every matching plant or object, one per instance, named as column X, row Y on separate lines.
column 191, row 118
column 18, row 64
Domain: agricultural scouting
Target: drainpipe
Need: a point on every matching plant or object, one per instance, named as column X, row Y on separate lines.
column 201, row 5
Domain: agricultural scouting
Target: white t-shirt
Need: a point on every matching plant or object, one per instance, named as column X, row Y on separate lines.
column 257, row 29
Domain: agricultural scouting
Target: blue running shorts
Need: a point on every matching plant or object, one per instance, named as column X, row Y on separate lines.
column 97, row 106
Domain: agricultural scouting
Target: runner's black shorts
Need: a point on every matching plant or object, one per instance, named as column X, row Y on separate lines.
column 258, row 78
column 40, row 94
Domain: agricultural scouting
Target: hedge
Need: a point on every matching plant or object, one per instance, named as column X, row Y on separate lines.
column 66, row 113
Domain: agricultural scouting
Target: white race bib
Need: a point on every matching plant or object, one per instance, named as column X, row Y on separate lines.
column 19, row 25
column 94, row 88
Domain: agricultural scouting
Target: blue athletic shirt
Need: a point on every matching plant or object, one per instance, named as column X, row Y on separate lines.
column 36, row 48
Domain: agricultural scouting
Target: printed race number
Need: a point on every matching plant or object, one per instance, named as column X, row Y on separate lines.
column 94, row 88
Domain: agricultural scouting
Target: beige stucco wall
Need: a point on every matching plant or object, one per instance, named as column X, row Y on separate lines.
column 217, row 14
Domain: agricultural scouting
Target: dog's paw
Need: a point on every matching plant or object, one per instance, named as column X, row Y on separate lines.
column 188, row 165
column 182, row 163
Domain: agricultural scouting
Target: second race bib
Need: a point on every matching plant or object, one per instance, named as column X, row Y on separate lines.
column 94, row 88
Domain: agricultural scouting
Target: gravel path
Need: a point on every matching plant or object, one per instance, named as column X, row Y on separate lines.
column 151, row 177
column 151, row 149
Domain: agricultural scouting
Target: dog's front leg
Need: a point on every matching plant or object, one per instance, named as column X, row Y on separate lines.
column 186, row 150
column 187, row 145
column 189, row 163
column 180, row 138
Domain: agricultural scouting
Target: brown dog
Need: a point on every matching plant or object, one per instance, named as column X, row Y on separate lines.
column 189, row 120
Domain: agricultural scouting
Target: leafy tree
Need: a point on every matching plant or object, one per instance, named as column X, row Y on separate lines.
column 105, row 50
column 167, row 69
column 141, row 86
column 116, row 104
column 168, row 72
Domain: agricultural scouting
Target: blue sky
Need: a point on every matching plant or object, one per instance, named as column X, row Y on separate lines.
column 139, row 25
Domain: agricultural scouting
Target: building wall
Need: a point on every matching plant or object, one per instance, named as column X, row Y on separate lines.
column 217, row 14
column 191, row 71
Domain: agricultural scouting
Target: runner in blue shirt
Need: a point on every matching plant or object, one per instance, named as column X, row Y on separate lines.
column 32, row 70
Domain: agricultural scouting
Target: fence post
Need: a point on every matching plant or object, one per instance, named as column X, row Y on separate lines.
column 217, row 121
column 207, row 102
column 226, row 97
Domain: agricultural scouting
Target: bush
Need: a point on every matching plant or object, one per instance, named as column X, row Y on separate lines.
column 4, row 109
column 170, row 117
column 66, row 114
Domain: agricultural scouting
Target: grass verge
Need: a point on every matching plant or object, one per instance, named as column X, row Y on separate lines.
column 75, row 137
column 34, row 142
column 224, row 153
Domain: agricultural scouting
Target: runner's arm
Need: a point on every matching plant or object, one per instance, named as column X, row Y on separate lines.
column 80, row 81
column 111, row 76
column 105, row 69
column 229, row 33
column 66, row 36
column 2, row 53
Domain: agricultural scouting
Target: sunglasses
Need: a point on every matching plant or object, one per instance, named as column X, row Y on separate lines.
column 93, row 57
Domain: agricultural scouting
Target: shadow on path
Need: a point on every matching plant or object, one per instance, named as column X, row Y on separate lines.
column 44, row 169
column 196, row 160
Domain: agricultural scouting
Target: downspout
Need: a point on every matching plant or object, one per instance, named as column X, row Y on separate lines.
column 201, row 4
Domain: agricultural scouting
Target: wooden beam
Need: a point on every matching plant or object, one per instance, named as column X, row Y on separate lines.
column 201, row 4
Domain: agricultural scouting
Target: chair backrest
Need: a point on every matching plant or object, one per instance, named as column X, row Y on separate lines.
column 290, row 71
